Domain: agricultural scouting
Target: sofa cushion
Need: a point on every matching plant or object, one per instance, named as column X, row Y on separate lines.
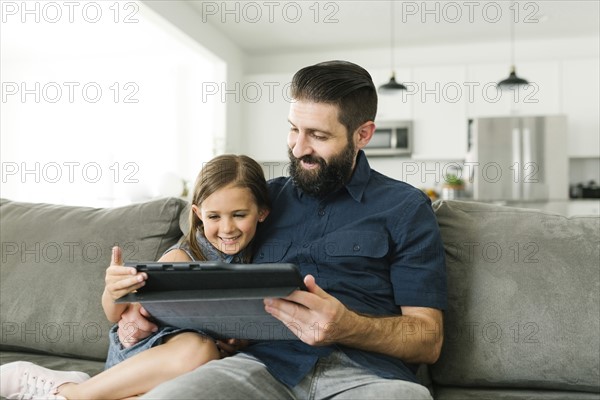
column 523, row 295
column 53, row 264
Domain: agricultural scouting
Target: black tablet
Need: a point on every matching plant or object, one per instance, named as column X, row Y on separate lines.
column 223, row 300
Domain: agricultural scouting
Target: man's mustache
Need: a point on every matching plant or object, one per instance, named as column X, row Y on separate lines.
column 312, row 160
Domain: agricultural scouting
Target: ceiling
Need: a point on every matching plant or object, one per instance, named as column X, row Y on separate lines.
column 287, row 27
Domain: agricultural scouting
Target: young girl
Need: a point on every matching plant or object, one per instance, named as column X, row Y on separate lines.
column 230, row 198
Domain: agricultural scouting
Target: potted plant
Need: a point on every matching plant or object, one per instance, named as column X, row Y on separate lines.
column 454, row 181
column 453, row 187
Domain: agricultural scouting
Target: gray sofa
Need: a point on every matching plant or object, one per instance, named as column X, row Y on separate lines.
column 523, row 320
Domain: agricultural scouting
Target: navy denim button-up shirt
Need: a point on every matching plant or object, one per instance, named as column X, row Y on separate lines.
column 374, row 245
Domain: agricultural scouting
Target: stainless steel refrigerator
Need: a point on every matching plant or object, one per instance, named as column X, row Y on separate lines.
column 517, row 158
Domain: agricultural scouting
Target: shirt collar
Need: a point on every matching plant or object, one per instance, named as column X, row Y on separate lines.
column 360, row 177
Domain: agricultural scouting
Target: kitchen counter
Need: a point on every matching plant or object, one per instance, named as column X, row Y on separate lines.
column 569, row 208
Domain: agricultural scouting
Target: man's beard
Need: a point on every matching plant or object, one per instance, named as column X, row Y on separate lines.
column 327, row 177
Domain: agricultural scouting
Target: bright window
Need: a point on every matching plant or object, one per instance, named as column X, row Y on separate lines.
column 101, row 104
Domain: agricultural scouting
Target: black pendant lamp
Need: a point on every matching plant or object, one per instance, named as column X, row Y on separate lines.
column 392, row 85
column 513, row 80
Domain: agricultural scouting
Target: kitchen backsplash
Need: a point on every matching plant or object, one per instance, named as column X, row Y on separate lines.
column 584, row 178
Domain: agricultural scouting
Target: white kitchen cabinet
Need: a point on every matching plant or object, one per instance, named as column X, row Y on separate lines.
column 580, row 84
column 440, row 115
column 397, row 105
column 439, row 101
column 540, row 97
column 484, row 99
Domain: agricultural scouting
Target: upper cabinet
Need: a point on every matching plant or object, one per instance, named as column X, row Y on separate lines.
column 439, row 100
column 440, row 114
column 540, row 97
column 580, row 102
column 397, row 105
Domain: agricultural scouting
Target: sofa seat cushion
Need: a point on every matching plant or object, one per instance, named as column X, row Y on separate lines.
column 53, row 265
column 523, row 295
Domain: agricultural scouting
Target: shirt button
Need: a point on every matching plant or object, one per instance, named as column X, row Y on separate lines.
column 321, row 212
column 356, row 247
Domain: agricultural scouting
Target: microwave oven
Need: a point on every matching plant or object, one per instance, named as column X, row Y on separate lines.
column 391, row 138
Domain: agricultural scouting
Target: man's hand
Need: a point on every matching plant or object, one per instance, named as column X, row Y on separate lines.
column 135, row 325
column 316, row 317
column 415, row 335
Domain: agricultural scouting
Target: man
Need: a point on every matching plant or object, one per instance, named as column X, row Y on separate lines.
column 370, row 251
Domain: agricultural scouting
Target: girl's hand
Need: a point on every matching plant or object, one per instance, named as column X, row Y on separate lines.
column 231, row 346
column 120, row 280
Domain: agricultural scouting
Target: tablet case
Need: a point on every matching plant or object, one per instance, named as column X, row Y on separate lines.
column 223, row 300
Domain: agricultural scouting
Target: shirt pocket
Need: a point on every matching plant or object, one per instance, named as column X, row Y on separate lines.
column 356, row 264
column 272, row 251
column 356, row 244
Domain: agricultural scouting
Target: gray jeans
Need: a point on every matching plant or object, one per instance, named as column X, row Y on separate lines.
column 244, row 377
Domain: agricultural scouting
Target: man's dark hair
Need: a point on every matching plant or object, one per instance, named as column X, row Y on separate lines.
column 342, row 83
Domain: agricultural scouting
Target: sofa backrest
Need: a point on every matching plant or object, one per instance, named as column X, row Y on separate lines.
column 523, row 298
column 53, row 265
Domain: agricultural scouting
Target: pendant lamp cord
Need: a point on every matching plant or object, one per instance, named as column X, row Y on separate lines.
column 512, row 36
column 392, row 35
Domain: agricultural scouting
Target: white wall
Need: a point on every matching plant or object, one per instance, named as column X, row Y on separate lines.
column 188, row 20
